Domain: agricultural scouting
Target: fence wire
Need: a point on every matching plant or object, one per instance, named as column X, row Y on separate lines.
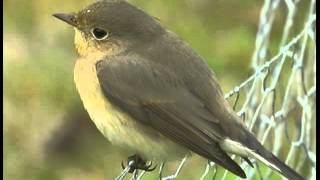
column 280, row 97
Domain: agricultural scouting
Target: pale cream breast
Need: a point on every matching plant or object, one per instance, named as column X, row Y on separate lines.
column 113, row 123
column 116, row 125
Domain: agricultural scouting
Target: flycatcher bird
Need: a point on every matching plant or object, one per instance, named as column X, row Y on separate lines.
column 148, row 91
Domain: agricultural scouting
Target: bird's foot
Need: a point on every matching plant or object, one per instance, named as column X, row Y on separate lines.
column 135, row 162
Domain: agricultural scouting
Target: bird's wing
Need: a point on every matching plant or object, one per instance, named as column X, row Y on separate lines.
column 156, row 96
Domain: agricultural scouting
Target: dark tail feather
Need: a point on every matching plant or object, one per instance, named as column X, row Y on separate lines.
column 273, row 162
column 284, row 169
column 266, row 157
column 248, row 161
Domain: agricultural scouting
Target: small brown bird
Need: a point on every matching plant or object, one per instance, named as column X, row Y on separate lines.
column 149, row 91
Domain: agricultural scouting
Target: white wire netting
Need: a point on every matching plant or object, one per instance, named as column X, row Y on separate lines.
column 279, row 98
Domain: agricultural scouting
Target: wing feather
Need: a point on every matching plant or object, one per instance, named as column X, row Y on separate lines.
column 156, row 96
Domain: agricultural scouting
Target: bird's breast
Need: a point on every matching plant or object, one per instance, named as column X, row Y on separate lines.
column 116, row 125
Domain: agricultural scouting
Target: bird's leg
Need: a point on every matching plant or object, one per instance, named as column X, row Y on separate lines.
column 135, row 162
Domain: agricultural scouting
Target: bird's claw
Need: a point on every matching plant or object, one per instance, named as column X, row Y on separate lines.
column 149, row 168
column 122, row 165
column 135, row 162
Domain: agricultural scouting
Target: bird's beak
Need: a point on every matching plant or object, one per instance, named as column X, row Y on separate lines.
column 68, row 18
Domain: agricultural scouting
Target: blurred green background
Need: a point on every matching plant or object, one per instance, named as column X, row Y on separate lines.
column 47, row 133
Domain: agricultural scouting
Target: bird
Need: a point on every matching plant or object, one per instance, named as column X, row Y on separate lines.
column 149, row 92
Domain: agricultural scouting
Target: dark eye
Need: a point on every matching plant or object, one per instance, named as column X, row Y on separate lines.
column 99, row 34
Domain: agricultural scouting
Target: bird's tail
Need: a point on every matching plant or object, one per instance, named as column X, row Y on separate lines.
column 273, row 162
column 243, row 143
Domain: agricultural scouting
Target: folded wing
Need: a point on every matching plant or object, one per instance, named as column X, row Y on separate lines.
column 157, row 96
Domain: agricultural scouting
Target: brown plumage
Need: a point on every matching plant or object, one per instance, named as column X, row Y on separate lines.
column 148, row 90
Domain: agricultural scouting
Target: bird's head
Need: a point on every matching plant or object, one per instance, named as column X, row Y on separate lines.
column 110, row 26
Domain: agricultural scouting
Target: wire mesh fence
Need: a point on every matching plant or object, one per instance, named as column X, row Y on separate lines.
column 279, row 98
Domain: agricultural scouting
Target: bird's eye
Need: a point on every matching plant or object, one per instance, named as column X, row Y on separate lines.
column 99, row 34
